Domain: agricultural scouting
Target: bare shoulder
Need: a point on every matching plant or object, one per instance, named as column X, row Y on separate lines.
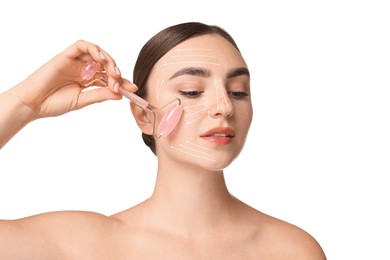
column 282, row 240
column 81, row 226
column 67, row 221
column 59, row 234
column 296, row 242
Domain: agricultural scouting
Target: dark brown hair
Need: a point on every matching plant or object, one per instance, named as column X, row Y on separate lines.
column 158, row 46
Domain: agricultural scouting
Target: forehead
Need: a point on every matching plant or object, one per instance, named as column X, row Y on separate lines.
column 210, row 51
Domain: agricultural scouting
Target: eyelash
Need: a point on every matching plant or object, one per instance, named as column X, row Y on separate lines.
column 238, row 94
column 196, row 94
column 191, row 94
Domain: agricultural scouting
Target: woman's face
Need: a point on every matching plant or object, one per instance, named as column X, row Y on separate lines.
column 211, row 79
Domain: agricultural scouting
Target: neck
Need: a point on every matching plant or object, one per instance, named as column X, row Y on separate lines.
column 191, row 199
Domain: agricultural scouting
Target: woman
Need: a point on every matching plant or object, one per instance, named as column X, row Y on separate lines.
column 191, row 214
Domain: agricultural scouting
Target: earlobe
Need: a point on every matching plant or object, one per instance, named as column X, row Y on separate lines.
column 143, row 118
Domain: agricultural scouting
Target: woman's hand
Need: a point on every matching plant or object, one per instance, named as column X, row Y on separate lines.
column 57, row 87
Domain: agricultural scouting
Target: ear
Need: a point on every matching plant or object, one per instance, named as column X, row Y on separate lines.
column 144, row 118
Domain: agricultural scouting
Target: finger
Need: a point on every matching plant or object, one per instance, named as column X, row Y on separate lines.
column 96, row 96
column 115, row 84
column 84, row 51
column 128, row 85
column 110, row 66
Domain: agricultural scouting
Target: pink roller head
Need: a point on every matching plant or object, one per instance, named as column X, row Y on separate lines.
column 89, row 70
column 170, row 120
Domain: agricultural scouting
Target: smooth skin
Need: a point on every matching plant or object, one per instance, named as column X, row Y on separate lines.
column 190, row 215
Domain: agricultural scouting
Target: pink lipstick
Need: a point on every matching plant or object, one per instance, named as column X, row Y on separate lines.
column 219, row 135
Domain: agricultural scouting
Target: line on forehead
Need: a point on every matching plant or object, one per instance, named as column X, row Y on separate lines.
column 191, row 61
column 193, row 49
column 192, row 55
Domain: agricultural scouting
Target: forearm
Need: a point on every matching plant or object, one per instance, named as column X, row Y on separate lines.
column 14, row 115
column 56, row 88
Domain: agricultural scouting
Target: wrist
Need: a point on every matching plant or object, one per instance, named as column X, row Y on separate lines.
column 14, row 113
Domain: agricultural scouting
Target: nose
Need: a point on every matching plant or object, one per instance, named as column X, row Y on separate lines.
column 221, row 105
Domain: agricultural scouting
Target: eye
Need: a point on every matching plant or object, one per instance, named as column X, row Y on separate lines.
column 238, row 94
column 190, row 94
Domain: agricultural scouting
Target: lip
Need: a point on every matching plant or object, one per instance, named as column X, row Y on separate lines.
column 220, row 135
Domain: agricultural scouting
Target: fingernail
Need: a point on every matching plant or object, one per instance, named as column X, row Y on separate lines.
column 102, row 55
column 118, row 72
column 116, row 87
column 135, row 86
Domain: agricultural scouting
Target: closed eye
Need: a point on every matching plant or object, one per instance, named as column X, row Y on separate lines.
column 191, row 94
column 238, row 94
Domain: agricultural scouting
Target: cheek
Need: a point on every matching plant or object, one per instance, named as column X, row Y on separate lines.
column 243, row 114
column 246, row 112
column 193, row 111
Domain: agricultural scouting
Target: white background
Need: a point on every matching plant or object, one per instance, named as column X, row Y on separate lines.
column 318, row 151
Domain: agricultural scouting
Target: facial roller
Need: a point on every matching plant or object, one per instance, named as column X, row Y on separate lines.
column 91, row 74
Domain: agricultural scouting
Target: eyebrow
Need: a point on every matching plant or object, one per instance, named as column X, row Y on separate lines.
column 205, row 73
column 193, row 71
column 238, row 72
